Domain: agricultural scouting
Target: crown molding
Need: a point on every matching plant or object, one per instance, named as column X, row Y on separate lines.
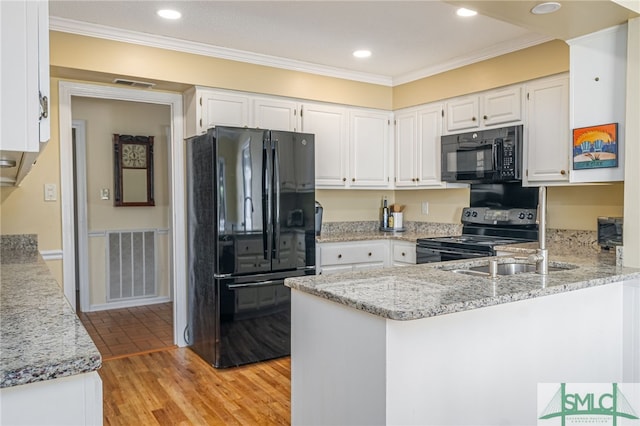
column 163, row 42
column 478, row 56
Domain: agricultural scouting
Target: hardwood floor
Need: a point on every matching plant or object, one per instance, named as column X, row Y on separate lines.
column 127, row 331
column 176, row 387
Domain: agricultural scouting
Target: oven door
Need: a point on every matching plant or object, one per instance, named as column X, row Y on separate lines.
column 430, row 254
column 466, row 159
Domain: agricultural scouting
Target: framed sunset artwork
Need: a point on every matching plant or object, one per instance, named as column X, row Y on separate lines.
column 595, row 147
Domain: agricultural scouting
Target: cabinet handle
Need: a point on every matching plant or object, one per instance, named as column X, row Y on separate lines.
column 402, row 254
column 44, row 107
column 344, row 179
column 417, row 179
column 353, row 179
column 562, row 172
column 369, row 254
column 339, row 256
column 473, row 119
column 485, row 117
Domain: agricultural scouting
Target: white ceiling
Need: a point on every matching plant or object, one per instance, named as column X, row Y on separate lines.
column 409, row 39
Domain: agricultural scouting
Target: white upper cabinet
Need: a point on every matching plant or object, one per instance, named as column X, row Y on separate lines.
column 598, row 65
column 491, row 108
column 276, row 114
column 329, row 124
column 417, row 146
column 24, row 86
column 206, row 108
column 369, row 141
column 547, row 141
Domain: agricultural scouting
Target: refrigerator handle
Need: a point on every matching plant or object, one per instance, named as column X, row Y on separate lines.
column 267, row 233
column 276, row 198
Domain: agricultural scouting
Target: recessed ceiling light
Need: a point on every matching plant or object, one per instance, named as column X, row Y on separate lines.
column 466, row 12
column 362, row 53
column 169, row 14
column 544, row 8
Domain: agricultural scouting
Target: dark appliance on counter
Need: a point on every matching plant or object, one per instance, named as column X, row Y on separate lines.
column 251, row 224
column 483, row 156
column 609, row 232
column 499, row 214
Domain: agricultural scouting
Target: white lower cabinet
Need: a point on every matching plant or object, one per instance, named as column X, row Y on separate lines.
column 360, row 255
column 403, row 253
column 351, row 256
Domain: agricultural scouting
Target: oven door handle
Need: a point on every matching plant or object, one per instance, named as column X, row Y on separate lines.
column 457, row 252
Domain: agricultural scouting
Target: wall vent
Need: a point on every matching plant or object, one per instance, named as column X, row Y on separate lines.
column 134, row 83
column 131, row 265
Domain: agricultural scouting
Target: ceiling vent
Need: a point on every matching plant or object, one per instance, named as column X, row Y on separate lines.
column 133, row 83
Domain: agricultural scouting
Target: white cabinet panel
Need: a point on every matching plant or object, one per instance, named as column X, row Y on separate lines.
column 206, row 108
column 24, row 85
column 369, row 153
column 349, row 256
column 463, row 113
column 491, row 108
column 502, row 106
column 598, row 64
column 275, row 114
column 403, row 253
column 329, row 125
column 547, row 145
column 417, row 143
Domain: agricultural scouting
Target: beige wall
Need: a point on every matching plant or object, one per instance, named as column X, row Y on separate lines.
column 104, row 118
column 527, row 64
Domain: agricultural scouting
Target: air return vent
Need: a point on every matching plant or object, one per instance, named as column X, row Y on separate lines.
column 133, row 83
column 131, row 269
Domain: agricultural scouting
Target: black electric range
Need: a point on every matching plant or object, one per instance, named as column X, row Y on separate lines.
column 483, row 229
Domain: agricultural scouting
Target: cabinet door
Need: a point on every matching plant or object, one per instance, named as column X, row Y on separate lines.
column 502, row 106
column 329, row 125
column 405, row 143
column 548, row 143
column 463, row 113
column 369, row 139
column 19, row 84
column 223, row 109
column 275, row 114
column 428, row 145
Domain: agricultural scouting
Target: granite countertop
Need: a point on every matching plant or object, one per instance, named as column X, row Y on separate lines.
column 336, row 232
column 41, row 338
column 421, row 291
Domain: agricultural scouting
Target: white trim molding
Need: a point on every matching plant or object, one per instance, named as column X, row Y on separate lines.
column 48, row 255
column 178, row 250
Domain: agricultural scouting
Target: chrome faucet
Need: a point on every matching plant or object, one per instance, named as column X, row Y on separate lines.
column 541, row 256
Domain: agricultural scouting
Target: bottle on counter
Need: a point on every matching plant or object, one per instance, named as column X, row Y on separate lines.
column 385, row 214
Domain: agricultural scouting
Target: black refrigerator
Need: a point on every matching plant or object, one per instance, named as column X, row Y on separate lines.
column 251, row 224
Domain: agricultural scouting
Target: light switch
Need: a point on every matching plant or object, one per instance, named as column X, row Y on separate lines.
column 104, row 194
column 50, row 192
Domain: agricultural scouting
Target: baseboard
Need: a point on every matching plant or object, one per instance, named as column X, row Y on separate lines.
column 129, row 303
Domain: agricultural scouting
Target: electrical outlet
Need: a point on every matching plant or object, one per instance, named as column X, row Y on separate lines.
column 50, row 192
column 425, row 207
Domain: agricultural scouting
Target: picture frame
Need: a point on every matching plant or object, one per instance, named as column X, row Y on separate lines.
column 595, row 147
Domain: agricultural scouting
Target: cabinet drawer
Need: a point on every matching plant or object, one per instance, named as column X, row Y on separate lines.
column 340, row 255
column 404, row 253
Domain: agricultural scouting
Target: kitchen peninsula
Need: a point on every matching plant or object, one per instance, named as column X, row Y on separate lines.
column 424, row 345
column 48, row 362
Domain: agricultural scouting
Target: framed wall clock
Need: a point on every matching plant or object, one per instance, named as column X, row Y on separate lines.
column 133, row 170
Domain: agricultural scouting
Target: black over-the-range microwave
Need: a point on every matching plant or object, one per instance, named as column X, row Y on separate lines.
column 484, row 156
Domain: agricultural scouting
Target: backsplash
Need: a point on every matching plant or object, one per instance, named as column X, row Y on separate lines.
column 18, row 247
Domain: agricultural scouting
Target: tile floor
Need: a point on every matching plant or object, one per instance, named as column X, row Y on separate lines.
column 127, row 331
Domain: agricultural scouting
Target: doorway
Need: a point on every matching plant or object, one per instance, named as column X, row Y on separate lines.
column 175, row 232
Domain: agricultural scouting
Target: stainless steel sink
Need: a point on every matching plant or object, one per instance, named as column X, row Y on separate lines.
column 506, row 269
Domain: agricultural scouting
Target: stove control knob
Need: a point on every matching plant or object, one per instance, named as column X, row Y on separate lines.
column 467, row 213
column 530, row 216
column 474, row 214
column 521, row 215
